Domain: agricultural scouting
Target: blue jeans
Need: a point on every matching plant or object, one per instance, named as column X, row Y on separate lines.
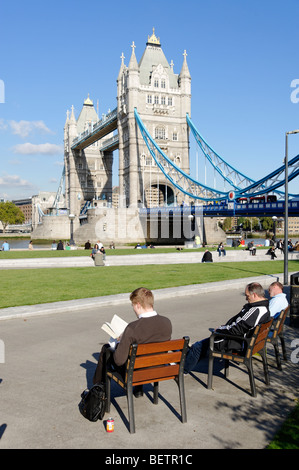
column 197, row 352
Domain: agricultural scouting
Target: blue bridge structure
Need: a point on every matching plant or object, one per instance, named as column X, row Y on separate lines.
column 229, row 209
column 246, row 197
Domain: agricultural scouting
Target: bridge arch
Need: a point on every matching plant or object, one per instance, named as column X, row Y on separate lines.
column 159, row 195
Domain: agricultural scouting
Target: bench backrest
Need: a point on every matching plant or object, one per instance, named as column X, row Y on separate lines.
column 278, row 327
column 259, row 338
column 154, row 362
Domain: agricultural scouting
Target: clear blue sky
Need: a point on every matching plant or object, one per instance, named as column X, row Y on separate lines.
column 242, row 56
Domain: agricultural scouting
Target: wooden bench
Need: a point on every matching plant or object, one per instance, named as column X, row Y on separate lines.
column 255, row 344
column 151, row 363
column 277, row 333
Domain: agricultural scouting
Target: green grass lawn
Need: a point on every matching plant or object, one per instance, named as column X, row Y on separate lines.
column 16, row 254
column 35, row 286
column 288, row 436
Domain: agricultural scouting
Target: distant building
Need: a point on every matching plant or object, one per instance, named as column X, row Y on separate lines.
column 25, row 205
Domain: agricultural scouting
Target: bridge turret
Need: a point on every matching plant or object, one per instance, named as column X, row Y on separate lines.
column 185, row 86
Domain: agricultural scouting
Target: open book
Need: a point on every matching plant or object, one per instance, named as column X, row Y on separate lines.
column 114, row 329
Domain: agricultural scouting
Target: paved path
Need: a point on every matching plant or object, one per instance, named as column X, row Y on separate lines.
column 50, row 357
column 181, row 257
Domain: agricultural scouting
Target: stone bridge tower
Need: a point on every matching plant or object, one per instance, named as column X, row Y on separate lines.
column 88, row 172
column 162, row 99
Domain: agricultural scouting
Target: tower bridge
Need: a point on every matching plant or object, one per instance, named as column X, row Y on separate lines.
column 150, row 127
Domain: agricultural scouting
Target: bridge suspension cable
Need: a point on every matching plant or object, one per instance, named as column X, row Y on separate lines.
column 274, row 180
column 235, row 178
column 174, row 174
column 197, row 190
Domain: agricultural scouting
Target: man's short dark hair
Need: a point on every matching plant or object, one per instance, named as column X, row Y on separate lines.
column 278, row 284
column 255, row 288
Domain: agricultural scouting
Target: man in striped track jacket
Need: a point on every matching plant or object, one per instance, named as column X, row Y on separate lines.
column 253, row 313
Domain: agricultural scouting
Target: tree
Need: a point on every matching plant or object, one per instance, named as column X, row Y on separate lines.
column 267, row 223
column 227, row 224
column 10, row 214
column 249, row 223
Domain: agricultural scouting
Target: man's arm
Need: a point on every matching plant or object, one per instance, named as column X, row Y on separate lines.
column 241, row 323
column 121, row 353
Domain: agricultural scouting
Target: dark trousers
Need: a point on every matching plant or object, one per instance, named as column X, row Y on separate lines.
column 105, row 360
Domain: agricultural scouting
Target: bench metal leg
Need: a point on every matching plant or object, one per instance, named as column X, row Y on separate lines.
column 277, row 355
column 182, row 399
column 251, row 378
column 283, row 347
column 265, row 365
column 156, row 392
column 210, row 372
column 131, row 409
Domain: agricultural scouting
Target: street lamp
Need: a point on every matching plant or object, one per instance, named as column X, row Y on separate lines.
column 71, row 217
column 286, row 209
column 274, row 218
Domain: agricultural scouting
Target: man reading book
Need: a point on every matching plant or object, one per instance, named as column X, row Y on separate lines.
column 148, row 328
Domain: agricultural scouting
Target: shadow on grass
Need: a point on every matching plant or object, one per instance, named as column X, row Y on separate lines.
column 235, row 267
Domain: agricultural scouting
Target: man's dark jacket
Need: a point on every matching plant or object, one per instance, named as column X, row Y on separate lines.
column 243, row 324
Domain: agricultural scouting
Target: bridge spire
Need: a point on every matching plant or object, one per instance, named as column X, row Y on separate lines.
column 133, row 65
column 153, row 39
column 72, row 118
column 185, row 70
column 67, row 117
column 122, row 66
column 88, row 101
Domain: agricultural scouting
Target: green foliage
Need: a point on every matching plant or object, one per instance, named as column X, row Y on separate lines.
column 227, row 224
column 288, row 436
column 266, row 223
column 10, row 214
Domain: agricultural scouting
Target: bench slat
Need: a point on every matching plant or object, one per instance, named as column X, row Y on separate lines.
column 157, row 359
column 150, row 348
column 156, row 373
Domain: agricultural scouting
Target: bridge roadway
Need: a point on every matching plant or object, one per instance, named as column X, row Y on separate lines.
column 99, row 130
column 51, row 353
column 229, row 209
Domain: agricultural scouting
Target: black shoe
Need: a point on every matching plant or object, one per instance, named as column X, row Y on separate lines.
column 138, row 391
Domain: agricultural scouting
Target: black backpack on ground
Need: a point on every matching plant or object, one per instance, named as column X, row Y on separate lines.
column 93, row 403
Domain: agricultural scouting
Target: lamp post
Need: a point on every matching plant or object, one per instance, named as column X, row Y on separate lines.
column 286, row 209
column 71, row 217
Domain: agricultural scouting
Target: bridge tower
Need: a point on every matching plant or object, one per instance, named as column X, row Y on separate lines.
column 88, row 171
column 162, row 99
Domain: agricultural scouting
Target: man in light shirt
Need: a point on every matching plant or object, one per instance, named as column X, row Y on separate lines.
column 278, row 300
